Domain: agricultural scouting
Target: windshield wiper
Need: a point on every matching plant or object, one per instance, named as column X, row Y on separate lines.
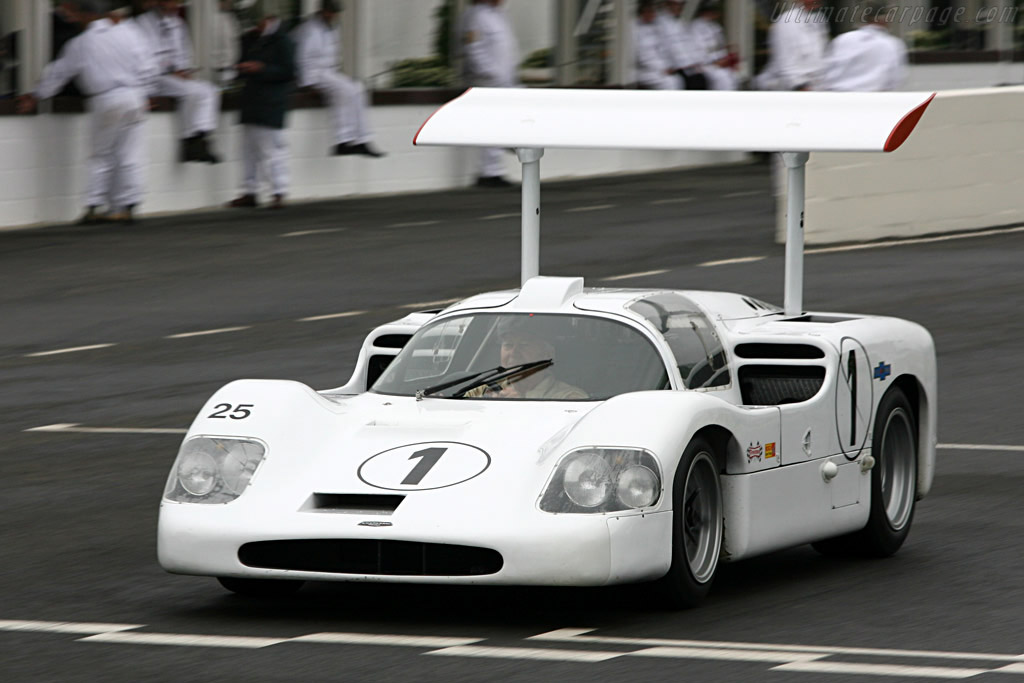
column 482, row 377
column 505, row 373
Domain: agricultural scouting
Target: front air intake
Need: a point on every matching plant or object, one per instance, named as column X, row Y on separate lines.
column 374, row 557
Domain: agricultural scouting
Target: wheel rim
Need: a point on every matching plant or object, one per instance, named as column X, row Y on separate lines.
column 898, row 472
column 702, row 517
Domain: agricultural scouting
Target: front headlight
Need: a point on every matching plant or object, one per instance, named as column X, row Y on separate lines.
column 213, row 469
column 603, row 480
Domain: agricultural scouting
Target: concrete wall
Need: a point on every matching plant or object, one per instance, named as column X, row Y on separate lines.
column 42, row 172
column 961, row 169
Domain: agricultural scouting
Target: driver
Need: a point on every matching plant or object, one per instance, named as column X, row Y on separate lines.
column 522, row 343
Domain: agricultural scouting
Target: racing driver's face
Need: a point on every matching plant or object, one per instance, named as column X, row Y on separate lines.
column 518, row 348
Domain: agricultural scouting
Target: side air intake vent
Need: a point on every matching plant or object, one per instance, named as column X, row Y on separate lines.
column 392, row 341
column 773, row 385
column 782, row 351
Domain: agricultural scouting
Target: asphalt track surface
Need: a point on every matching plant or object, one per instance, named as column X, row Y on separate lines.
column 78, row 510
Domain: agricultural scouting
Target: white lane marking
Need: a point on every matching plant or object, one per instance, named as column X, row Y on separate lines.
column 64, row 626
column 71, row 349
column 1010, row 669
column 979, row 447
column 672, row 200
column 726, row 654
column 730, row 261
column 413, row 224
column 575, row 635
column 914, row 240
column 428, row 304
column 526, row 653
column 592, row 207
column 880, row 670
column 76, row 428
column 203, row 333
column 330, row 316
column 184, row 639
column 746, row 193
column 497, row 216
column 303, row 233
column 629, row 276
column 384, row 639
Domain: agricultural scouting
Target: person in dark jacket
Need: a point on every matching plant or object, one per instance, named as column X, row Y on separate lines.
column 267, row 68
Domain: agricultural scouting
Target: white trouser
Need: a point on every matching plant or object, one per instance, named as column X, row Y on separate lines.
column 347, row 102
column 265, row 150
column 720, row 78
column 198, row 103
column 491, row 162
column 117, row 148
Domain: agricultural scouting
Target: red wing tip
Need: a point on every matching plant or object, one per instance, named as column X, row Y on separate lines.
column 423, row 125
column 906, row 125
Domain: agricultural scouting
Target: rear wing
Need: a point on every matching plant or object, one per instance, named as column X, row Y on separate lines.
column 794, row 123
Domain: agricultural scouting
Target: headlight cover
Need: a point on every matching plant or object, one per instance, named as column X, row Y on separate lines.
column 603, row 479
column 213, row 470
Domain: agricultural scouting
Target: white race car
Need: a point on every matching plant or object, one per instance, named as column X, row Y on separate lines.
column 560, row 435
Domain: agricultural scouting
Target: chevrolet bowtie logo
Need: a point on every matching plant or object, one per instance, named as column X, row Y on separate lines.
column 882, row 371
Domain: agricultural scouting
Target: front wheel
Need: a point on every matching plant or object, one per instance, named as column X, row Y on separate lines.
column 893, row 483
column 696, row 527
column 260, row 588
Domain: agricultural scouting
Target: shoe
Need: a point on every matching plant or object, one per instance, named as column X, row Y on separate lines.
column 492, row 181
column 363, row 148
column 205, row 153
column 192, row 149
column 278, row 202
column 246, row 201
column 125, row 216
column 92, row 217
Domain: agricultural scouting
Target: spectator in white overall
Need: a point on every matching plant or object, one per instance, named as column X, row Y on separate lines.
column 655, row 69
column 115, row 71
column 490, row 59
column 868, row 59
column 317, row 47
column 677, row 42
column 199, row 101
column 796, row 43
column 709, row 39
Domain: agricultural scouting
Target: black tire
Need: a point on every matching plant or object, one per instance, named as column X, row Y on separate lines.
column 697, row 527
column 260, row 588
column 893, row 484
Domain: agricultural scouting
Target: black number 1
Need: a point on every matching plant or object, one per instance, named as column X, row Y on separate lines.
column 851, row 377
column 428, row 458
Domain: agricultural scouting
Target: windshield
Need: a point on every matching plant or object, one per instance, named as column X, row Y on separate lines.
column 524, row 356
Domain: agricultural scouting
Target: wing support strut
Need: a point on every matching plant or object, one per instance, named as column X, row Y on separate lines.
column 529, row 157
column 796, row 171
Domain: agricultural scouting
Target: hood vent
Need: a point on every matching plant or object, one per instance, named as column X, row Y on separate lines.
column 353, row 503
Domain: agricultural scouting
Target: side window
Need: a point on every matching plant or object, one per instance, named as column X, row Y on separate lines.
column 434, row 355
column 698, row 351
column 694, row 343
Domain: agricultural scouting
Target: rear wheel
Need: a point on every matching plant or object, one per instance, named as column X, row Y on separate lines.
column 696, row 527
column 893, row 483
column 260, row 588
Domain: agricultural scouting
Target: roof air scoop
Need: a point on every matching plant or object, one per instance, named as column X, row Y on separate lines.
column 548, row 292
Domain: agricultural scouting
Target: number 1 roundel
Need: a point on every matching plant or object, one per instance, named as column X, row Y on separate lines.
column 424, row 466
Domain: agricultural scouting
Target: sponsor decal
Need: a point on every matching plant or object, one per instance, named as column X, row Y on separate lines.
column 882, row 371
column 375, row 524
column 755, row 452
column 769, row 450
